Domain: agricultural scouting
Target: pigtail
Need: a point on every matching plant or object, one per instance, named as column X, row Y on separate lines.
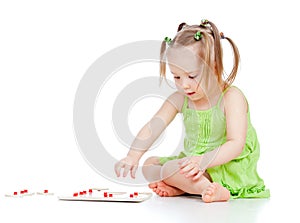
column 162, row 67
column 236, row 61
column 217, row 50
column 167, row 41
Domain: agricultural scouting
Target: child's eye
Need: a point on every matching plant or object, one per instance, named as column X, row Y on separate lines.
column 176, row 77
column 192, row 77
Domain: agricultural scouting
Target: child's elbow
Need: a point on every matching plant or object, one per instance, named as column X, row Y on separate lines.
column 240, row 145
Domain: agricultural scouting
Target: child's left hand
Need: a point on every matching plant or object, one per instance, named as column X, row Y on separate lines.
column 190, row 166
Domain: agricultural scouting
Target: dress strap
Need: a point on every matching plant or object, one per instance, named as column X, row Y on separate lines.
column 222, row 95
column 185, row 104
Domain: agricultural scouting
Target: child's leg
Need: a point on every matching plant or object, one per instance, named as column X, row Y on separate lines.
column 209, row 191
column 152, row 169
column 152, row 173
column 171, row 176
column 167, row 181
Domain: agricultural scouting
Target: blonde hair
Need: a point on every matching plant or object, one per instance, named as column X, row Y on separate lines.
column 211, row 39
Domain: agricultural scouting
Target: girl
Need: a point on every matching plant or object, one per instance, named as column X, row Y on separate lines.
column 221, row 148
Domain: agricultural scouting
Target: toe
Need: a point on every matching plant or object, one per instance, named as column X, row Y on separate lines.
column 212, row 187
column 208, row 192
column 206, row 198
column 152, row 185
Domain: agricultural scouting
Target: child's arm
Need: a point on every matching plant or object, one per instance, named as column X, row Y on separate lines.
column 235, row 108
column 149, row 133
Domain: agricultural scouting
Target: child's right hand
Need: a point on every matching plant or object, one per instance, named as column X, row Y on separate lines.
column 128, row 164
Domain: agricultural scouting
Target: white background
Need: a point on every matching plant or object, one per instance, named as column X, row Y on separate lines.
column 47, row 46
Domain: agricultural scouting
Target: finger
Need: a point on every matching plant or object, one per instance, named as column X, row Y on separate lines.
column 133, row 171
column 198, row 175
column 192, row 172
column 185, row 162
column 118, row 167
column 183, row 170
column 126, row 170
column 186, row 168
column 183, row 165
column 181, row 161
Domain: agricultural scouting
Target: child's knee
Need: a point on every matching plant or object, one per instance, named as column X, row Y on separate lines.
column 169, row 169
column 151, row 169
column 153, row 160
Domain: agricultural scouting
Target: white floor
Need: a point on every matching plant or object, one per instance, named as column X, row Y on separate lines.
column 156, row 209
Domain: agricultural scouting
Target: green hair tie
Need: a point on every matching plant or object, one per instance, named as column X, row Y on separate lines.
column 168, row 40
column 204, row 22
column 198, row 36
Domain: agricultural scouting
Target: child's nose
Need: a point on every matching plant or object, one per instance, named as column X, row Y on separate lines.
column 186, row 84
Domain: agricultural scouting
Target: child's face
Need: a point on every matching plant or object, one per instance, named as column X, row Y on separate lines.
column 187, row 82
column 187, row 70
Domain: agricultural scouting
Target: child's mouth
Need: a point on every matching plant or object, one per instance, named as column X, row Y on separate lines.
column 190, row 93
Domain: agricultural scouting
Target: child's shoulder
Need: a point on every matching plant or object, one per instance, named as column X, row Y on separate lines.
column 234, row 97
column 177, row 100
column 233, row 91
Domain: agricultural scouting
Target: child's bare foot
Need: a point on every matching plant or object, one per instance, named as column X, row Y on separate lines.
column 164, row 190
column 215, row 192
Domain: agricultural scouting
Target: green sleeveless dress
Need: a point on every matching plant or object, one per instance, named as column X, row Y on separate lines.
column 206, row 131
